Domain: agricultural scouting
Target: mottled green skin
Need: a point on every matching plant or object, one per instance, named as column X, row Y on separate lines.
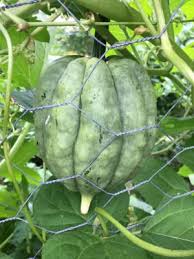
column 99, row 101
column 119, row 96
column 47, row 83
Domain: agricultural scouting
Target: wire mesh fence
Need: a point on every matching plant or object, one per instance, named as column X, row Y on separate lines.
column 113, row 135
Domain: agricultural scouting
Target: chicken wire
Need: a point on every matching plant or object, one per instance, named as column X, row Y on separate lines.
column 80, row 175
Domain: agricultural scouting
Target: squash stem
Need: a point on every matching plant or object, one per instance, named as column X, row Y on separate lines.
column 103, row 225
column 85, row 202
column 5, row 129
column 169, row 50
column 140, row 242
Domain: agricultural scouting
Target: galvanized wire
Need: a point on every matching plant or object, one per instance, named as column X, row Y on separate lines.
column 113, row 136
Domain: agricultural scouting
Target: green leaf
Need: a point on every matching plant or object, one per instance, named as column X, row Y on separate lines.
column 145, row 5
column 174, row 3
column 6, row 230
column 77, row 244
column 31, row 175
column 20, row 233
column 28, row 117
column 172, row 226
column 173, row 125
column 119, row 34
column 26, row 152
column 189, row 50
column 28, row 62
column 117, row 207
column 42, row 36
column 19, row 163
column 5, row 256
column 8, row 203
column 166, row 257
column 67, row 245
column 27, row 68
column 114, row 248
column 186, row 157
column 56, row 208
column 16, row 37
column 185, row 171
column 167, row 181
column 187, row 8
column 40, row 49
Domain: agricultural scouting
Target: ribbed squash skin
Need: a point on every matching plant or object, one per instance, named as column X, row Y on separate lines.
column 119, row 97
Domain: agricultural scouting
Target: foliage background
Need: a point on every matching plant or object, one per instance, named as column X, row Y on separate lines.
column 161, row 210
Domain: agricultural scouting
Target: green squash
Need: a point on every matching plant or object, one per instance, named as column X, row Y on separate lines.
column 84, row 136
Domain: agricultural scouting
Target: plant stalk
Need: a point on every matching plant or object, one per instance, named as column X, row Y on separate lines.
column 5, row 127
column 141, row 243
column 18, row 143
column 86, row 22
column 168, row 50
column 103, row 225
